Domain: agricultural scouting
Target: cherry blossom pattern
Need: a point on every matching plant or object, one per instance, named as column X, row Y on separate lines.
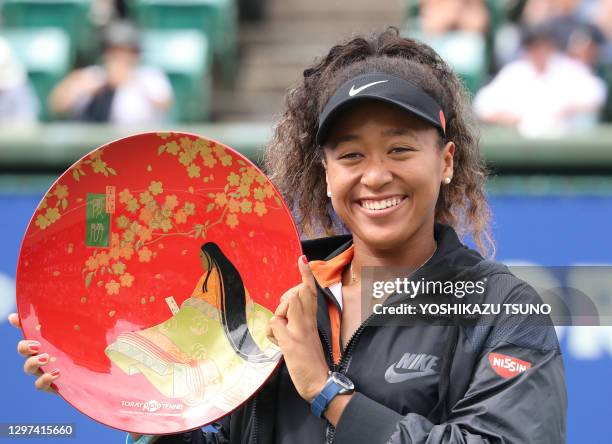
column 95, row 163
column 246, row 191
column 143, row 218
column 50, row 208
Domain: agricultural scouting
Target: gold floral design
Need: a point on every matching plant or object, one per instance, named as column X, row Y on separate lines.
column 56, row 201
column 245, row 192
column 143, row 217
column 95, row 162
column 146, row 217
column 50, row 208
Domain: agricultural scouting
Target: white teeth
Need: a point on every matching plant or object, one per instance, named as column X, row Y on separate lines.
column 380, row 204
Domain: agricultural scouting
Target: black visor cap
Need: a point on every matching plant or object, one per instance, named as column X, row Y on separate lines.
column 383, row 88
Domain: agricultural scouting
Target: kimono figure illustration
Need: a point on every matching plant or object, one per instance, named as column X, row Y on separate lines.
column 213, row 349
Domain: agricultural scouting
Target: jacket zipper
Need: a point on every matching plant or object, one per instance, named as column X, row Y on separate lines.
column 255, row 427
column 351, row 343
column 330, row 355
column 326, row 340
column 341, row 366
column 330, row 431
column 328, row 346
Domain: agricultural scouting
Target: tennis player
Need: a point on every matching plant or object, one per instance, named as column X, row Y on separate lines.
column 378, row 139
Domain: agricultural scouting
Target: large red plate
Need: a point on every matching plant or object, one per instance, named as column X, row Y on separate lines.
column 148, row 273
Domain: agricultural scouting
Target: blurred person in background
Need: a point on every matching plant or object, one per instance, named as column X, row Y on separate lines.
column 442, row 16
column 539, row 11
column 103, row 12
column 602, row 17
column 583, row 42
column 573, row 24
column 18, row 102
column 544, row 93
column 120, row 91
column 457, row 30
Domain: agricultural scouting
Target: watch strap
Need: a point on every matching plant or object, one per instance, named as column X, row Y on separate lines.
column 325, row 396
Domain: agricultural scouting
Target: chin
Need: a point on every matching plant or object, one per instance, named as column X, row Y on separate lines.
column 383, row 241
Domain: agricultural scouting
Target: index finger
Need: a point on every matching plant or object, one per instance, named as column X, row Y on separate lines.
column 308, row 278
column 13, row 319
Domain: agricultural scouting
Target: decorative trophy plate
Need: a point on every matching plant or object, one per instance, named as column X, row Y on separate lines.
column 148, row 273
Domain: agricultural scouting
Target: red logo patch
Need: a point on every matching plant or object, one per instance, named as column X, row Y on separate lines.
column 443, row 120
column 506, row 366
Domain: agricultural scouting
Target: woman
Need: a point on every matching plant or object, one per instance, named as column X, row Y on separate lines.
column 380, row 131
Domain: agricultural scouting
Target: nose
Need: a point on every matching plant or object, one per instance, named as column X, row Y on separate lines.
column 376, row 174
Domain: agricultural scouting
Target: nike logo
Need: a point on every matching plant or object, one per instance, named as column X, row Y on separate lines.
column 411, row 366
column 354, row 90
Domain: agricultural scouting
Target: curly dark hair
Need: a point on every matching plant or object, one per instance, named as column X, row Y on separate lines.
column 293, row 161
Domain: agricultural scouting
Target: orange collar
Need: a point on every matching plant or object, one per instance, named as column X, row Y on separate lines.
column 330, row 272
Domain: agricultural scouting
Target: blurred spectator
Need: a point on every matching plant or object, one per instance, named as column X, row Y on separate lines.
column 456, row 29
column 442, row 16
column 573, row 26
column 543, row 93
column 119, row 91
column 103, row 12
column 602, row 17
column 577, row 25
column 581, row 41
column 537, row 12
column 18, row 102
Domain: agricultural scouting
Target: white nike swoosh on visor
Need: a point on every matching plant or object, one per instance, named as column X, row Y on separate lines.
column 354, row 90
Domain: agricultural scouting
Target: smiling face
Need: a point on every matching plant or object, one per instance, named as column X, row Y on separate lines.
column 384, row 168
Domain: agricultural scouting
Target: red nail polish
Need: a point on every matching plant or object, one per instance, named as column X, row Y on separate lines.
column 34, row 348
column 55, row 373
column 304, row 259
column 43, row 359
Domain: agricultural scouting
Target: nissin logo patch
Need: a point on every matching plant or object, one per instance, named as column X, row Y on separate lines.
column 506, row 366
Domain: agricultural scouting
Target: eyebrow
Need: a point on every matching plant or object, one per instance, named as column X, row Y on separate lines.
column 400, row 131
column 344, row 138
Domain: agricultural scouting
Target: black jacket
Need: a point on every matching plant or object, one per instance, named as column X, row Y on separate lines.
column 493, row 383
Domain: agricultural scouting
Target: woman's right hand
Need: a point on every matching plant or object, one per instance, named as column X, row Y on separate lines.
column 35, row 358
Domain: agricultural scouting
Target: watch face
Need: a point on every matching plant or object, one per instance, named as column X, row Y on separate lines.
column 343, row 381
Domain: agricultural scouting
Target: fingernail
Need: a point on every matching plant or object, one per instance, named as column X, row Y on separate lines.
column 42, row 359
column 34, row 347
column 304, row 259
column 55, row 373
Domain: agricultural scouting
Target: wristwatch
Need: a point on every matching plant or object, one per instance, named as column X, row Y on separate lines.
column 337, row 384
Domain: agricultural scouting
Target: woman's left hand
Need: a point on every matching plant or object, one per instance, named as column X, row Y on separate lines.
column 294, row 329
